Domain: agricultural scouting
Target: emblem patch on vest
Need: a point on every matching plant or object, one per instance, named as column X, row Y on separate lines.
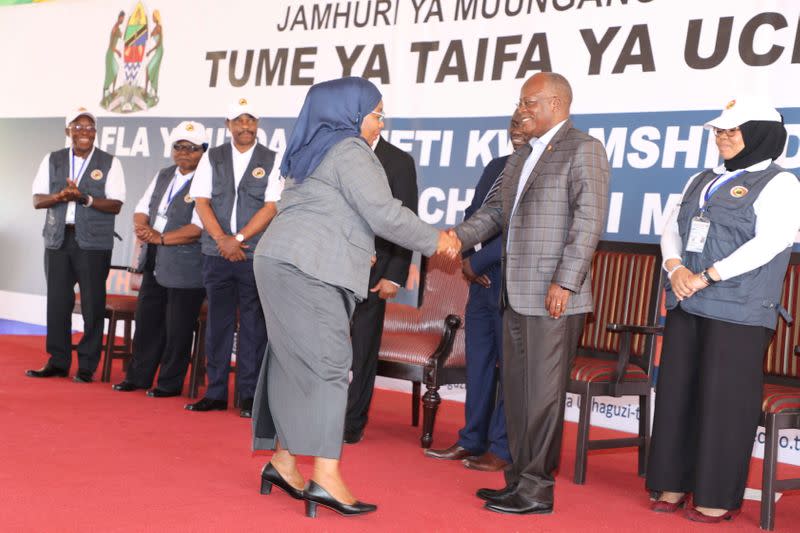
column 96, row 174
column 739, row 191
column 188, row 199
column 259, row 173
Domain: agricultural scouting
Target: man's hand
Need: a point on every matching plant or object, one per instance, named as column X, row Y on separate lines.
column 385, row 289
column 556, row 300
column 471, row 277
column 70, row 193
column 231, row 249
column 449, row 244
column 145, row 233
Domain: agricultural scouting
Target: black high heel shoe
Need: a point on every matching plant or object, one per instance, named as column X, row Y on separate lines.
column 270, row 476
column 316, row 495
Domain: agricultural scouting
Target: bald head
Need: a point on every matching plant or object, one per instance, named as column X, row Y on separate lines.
column 545, row 98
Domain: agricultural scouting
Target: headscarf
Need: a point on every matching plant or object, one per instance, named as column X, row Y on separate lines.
column 333, row 110
column 763, row 139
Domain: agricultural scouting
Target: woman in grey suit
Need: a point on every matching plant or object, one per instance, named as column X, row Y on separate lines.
column 311, row 267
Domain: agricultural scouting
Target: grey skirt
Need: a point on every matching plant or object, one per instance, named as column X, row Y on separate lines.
column 301, row 396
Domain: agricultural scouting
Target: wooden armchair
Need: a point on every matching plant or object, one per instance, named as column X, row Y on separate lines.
column 615, row 353
column 780, row 408
column 120, row 307
column 426, row 344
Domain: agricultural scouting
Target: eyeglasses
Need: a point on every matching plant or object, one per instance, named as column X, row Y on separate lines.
column 182, row 147
column 730, row 132
column 530, row 103
column 77, row 128
column 381, row 116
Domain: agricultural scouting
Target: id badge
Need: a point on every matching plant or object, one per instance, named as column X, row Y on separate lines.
column 698, row 233
column 161, row 223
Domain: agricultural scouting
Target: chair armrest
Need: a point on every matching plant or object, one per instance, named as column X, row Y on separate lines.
column 624, row 356
column 644, row 330
column 439, row 356
column 797, row 351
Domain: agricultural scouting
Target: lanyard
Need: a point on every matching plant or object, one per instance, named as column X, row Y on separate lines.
column 716, row 184
column 77, row 179
column 171, row 193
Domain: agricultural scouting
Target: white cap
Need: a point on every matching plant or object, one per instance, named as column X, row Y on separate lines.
column 77, row 112
column 194, row 132
column 241, row 107
column 742, row 110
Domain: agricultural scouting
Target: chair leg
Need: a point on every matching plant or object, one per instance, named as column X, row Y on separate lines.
column 644, row 433
column 128, row 343
column 768, row 473
column 195, row 361
column 415, row 399
column 430, row 404
column 111, row 336
column 582, row 447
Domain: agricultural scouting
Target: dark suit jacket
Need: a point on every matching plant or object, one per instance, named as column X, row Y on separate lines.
column 393, row 260
column 487, row 259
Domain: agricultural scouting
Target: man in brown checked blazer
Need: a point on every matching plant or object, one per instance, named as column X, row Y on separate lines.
column 551, row 210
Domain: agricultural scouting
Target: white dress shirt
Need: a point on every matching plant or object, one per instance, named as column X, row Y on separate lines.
column 202, row 184
column 777, row 223
column 538, row 146
column 176, row 184
column 115, row 181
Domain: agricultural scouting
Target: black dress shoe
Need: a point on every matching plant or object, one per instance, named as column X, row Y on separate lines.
column 492, row 494
column 161, row 393
column 47, row 371
column 207, row 404
column 125, row 386
column 270, row 476
column 83, row 376
column 353, row 437
column 516, row 504
column 315, row 495
column 246, row 408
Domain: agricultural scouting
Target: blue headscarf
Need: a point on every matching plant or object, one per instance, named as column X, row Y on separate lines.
column 333, row 111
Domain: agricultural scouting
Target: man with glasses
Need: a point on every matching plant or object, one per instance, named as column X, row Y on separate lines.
column 482, row 442
column 388, row 273
column 83, row 189
column 170, row 261
column 551, row 208
column 235, row 186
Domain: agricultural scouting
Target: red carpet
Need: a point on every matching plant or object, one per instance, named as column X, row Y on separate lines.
column 85, row 458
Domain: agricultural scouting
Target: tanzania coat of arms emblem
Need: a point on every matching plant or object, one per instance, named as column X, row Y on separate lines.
column 135, row 88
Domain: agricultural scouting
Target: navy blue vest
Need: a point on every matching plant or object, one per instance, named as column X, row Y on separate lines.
column 752, row 298
column 250, row 193
column 94, row 230
column 178, row 266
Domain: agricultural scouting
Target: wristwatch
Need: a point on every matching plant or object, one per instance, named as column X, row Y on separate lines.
column 239, row 237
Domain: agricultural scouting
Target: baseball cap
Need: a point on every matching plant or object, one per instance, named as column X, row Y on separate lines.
column 77, row 112
column 742, row 110
column 188, row 130
column 241, row 107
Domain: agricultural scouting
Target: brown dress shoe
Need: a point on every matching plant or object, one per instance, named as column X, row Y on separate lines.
column 453, row 453
column 487, row 462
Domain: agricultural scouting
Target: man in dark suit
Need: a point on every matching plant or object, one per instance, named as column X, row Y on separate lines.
column 482, row 442
column 551, row 208
column 388, row 273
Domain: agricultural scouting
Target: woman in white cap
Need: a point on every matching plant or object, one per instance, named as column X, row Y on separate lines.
column 726, row 247
column 172, row 290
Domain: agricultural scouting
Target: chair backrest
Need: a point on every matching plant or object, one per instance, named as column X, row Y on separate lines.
column 443, row 292
column 121, row 280
column 780, row 363
column 626, row 287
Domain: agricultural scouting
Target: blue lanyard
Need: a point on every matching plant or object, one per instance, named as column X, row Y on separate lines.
column 716, row 184
column 170, row 193
column 77, row 178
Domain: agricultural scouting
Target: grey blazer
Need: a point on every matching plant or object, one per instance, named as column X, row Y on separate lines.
column 557, row 224
column 326, row 225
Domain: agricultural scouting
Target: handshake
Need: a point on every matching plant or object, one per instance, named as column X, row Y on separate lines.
column 449, row 244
